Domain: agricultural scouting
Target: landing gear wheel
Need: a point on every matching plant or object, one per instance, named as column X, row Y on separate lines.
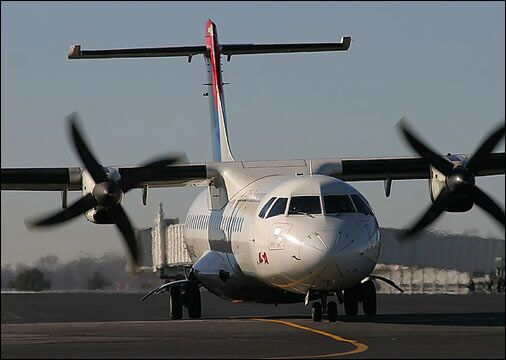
column 332, row 311
column 193, row 302
column 175, row 303
column 351, row 302
column 316, row 312
column 369, row 298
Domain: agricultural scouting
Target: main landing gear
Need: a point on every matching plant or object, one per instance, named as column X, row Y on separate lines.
column 364, row 293
column 187, row 295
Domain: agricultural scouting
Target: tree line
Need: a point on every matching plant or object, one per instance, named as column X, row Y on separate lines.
column 109, row 272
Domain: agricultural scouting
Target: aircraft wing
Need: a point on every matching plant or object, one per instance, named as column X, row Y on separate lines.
column 404, row 168
column 57, row 179
column 185, row 175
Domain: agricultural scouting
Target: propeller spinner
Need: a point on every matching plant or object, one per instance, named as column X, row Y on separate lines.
column 107, row 193
column 460, row 179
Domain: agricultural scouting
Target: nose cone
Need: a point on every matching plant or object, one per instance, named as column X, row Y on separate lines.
column 336, row 257
column 352, row 256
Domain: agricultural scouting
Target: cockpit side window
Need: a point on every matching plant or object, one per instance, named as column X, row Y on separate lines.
column 338, row 204
column 300, row 205
column 361, row 205
column 262, row 212
column 278, row 208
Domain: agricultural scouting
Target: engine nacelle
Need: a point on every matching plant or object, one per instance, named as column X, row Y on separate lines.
column 437, row 182
column 98, row 215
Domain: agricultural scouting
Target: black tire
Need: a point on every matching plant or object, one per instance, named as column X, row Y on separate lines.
column 175, row 303
column 332, row 311
column 369, row 304
column 351, row 302
column 316, row 312
column 194, row 302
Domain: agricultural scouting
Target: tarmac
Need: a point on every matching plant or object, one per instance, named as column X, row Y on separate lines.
column 117, row 325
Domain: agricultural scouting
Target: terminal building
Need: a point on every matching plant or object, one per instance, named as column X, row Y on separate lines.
column 465, row 253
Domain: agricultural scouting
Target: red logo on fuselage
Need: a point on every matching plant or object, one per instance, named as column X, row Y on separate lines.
column 262, row 257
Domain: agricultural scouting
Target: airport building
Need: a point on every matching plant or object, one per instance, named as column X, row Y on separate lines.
column 465, row 253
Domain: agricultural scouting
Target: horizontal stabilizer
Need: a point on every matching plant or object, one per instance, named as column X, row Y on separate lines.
column 240, row 49
column 75, row 52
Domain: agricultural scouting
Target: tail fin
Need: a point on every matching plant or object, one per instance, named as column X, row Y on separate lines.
column 219, row 134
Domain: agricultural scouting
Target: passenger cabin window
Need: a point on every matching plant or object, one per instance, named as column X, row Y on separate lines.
column 278, row 208
column 300, row 205
column 338, row 204
column 361, row 205
column 262, row 212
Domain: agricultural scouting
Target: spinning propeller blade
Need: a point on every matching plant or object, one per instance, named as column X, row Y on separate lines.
column 77, row 208
column 107, row 193
column 460, row 179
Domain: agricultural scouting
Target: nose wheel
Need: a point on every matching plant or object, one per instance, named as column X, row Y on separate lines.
column 318, row 309
column 364, row 293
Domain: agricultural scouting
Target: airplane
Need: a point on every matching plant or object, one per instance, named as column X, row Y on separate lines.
column 276, row 231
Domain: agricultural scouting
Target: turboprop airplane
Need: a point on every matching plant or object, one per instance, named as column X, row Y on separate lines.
column 266, row 231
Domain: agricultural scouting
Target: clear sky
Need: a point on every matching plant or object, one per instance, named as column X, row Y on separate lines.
column 440, row 64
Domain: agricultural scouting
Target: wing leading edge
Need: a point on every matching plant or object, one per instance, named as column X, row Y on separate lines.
column 407, row 168
column 58, row 179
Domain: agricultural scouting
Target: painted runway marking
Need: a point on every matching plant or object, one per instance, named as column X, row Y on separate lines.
column 359, row 347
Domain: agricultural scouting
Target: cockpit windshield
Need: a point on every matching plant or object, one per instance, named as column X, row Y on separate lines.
column 304, row 205
column 338, row 204
column 361, row 205
column 262, row 212
column 278, row 208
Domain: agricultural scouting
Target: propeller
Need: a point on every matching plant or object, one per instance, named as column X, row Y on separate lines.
column 460, row 179
column 107, row 193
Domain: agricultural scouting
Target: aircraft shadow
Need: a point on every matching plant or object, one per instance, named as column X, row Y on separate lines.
column 441, row 319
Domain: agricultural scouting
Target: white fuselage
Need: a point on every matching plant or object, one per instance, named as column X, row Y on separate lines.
column 239, row 255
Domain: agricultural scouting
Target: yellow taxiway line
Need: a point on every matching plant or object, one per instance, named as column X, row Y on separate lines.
column 359, row 347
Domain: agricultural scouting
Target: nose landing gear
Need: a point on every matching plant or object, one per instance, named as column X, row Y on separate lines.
column 318, row 309
column 364, row 293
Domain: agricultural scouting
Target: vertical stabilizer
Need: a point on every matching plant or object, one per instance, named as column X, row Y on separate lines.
column 219, row 134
